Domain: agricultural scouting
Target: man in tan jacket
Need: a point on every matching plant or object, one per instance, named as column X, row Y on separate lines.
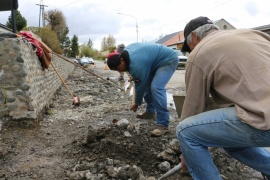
column 233, row 66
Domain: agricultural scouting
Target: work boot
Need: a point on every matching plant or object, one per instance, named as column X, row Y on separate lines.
column 159, row 131
column 146, row 115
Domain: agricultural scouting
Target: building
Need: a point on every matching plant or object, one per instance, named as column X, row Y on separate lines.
column 265, row 28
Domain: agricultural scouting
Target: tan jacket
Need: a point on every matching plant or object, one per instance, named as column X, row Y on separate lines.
column 234, row 67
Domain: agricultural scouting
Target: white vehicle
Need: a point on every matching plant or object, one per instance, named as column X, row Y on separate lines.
column 91, row 60
column 86, row 60
column 182, row 59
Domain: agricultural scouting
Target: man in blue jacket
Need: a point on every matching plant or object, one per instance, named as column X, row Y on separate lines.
column 151, row 67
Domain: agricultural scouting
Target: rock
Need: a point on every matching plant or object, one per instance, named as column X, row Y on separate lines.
column 122, row 123
column 91, row 135
column 168, row 155
column 135, row 172
column 164, row 166
column 127, row 134
column 112, row 172
column 174, row 145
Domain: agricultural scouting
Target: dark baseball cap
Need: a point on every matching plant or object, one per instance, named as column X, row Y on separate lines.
column 113, row 60
column 191, row 26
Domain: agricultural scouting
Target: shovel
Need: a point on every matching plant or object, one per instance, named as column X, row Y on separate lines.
column 47, row 53
column 76, row 99
column 178, row 168
column 67, row 60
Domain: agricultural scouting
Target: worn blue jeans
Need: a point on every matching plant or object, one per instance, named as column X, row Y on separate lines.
column 155, row 95
column 221, row 128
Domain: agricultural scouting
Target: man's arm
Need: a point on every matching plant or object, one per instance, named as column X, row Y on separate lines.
column 197, row 92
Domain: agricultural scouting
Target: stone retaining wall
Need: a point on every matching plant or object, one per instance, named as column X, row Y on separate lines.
column 25, row 88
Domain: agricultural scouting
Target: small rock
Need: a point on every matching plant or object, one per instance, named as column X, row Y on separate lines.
column 164, row 166
column 122, row 124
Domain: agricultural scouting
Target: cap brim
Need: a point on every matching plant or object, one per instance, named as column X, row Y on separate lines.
column 185, row 47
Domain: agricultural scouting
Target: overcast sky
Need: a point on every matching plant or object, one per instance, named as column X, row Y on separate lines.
column 96, row 19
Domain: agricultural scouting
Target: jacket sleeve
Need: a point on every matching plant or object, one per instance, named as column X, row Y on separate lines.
column 197, row 92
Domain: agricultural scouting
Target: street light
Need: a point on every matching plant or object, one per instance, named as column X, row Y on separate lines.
column 136, row 22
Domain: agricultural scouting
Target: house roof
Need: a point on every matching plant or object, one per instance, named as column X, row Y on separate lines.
column 261, row 28
column 216, row 21
column 176, row 39
column 166, row 38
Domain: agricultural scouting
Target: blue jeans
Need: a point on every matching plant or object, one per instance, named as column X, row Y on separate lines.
column 221, row 128
column 155, row 94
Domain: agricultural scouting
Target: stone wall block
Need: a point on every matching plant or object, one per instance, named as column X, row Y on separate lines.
column 20, row 59
column 11, row 99
column 16, row 68
column 5, row 68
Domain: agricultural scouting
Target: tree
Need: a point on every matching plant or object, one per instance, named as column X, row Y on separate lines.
column 74, row 46
column 48, row 36
column 64, row 37
column 85, row 50
column 57, row 22
column 108, row 43
column 67, row 46
column 90, row 43
column 20, row 21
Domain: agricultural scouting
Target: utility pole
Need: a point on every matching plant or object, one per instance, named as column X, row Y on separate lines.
column 41, row 13
column 136, row 22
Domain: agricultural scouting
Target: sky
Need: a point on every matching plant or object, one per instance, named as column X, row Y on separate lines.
column 96, row 19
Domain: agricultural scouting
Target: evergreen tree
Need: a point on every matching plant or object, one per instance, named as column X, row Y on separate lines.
column 74, row 46
column 67, row 47
column 20, row 21
column 90, row 43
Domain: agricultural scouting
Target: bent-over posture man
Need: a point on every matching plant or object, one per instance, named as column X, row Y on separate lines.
column 233, row 66
column 151, row 67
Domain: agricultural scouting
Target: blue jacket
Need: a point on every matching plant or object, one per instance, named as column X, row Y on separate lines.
column 145, row 59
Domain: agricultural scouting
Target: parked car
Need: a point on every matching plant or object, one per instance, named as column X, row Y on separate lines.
column 91, row 60
column 84, row 61
column 182, row 59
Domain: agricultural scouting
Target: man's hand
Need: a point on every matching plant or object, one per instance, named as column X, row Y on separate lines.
column 134, row 107
column 184, row 167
